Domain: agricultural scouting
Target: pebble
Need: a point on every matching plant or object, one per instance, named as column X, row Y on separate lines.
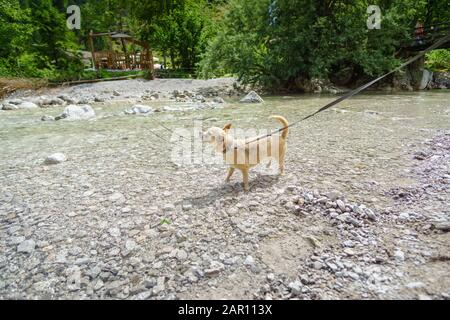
column 399, row 256
column 404, row 216
column 270, row 277
column 295, row 287
column 168, row 207
column 55, row 158
column 349, row 252
column 116, row 197
column 26, row 246
column 130, row 245
column 415, row 285
column 317, row 265
column 181, row 255
column 47, row 118
column 214, row 269
column 341, row 205
column 114, row 232
column 249, row 261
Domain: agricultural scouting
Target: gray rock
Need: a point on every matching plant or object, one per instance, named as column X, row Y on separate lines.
column 26, row 246
column 317, row 265
column 341, row 205
column 130, row 245
column 16, row 240
column 27, row 105
column 73, row 113
column 181, row 255
column 399, row 256
column 371, row 215
column 218, row 100
column 144, row 295
column 67, row 99
column 214, row 269
column 252, row 97
column 99, row 99
column 443, row 226
column 117, row 197
column 15, row 101
column 427, row 78
column 403, row 216
column 168, row 207
column 55, row 158
column 47, row 118
column 200, row 98
column 349, row 252
column 333, row 195
column 139, row 109
column 415, row 285
column 84, row 100
column 98, row 285
column 187, row 207
column 9, row 106
column 57, row 102
column 114, row 232
column 295, row 287
column 249, row 261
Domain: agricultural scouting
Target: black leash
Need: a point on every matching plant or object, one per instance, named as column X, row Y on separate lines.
column 333, row 103
column 357, row 90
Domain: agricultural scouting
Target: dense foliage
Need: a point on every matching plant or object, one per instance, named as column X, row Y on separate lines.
column 35, row 41
column 281, row 43
column 274, row 43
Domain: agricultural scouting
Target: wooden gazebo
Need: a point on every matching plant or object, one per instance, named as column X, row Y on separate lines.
column 136, row 60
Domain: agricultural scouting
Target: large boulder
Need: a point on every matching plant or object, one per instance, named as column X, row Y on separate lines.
column 18, row 104
column 27, row 105
column 427, row 78
column 252, row 97
column 57, row 102
column 9, row 106
column 67, row 98
column 73, row 112
column 139, row 109
column 15, row 101
column 44, row 101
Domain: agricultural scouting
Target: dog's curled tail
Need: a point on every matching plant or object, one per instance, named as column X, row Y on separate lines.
column 283, row 120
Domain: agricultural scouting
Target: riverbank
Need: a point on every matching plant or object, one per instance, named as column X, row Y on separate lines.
column 361, row 213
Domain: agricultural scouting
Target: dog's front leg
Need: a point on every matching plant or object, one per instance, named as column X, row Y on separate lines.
column 245, row 178
column 230, row 173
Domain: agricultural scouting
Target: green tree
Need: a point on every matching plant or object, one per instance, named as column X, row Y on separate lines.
column 52, row 40
column 16, row 30
column 177, row 28
column 280, row 43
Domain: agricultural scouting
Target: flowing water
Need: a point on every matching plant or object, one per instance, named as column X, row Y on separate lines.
column 359, row 143
column 119, row 184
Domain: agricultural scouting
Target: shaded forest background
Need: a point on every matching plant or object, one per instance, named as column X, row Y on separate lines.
column 272, row 43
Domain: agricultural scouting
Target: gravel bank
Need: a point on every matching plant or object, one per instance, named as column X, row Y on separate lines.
column 117, row 220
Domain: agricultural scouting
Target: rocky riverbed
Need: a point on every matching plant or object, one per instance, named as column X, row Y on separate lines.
column 363, row 211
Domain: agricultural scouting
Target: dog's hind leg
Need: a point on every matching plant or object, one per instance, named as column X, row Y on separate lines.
column 281, row 161
column 245, row 178
column 230, row 173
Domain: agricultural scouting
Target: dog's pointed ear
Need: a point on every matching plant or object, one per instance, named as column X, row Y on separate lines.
column 227, row 127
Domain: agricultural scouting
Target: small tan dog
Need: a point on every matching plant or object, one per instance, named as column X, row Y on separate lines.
column 244, row 154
